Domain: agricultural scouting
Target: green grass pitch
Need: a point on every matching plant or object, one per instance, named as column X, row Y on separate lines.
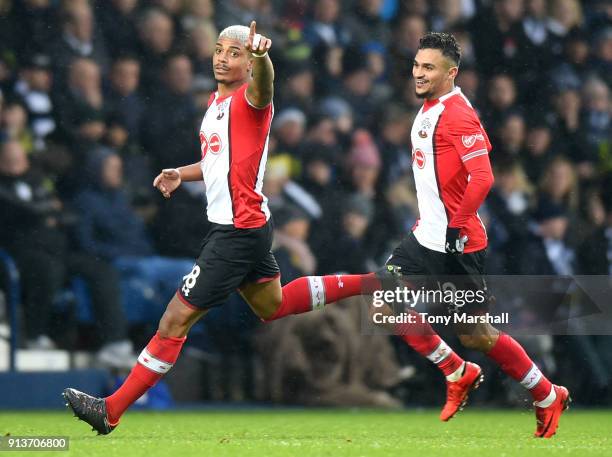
column 321, row 433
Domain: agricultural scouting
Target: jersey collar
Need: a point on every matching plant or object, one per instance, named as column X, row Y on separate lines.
column 430, row 103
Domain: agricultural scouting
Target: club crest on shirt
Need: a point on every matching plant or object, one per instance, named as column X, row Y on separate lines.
column 425, row 125
column 469, row 140
column 221, row 109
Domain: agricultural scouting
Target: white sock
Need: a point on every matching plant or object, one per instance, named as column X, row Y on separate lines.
column 456, row 375
column 552, row 396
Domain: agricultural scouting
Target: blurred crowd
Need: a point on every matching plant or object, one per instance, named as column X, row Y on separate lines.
column 96, row 96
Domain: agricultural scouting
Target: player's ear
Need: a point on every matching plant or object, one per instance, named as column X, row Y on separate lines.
column 452, row 72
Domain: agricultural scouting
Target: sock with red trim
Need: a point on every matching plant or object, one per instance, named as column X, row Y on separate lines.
column 153, row 362
column 421, row 337
column 314, row 292
column 514, row 361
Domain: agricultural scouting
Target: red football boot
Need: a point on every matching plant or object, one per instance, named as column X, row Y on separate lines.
column 457, row 391
column 548, row 418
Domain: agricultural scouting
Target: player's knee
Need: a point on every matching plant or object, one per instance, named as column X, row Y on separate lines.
column 172, row 323
column 269, row 310
column 476, row 342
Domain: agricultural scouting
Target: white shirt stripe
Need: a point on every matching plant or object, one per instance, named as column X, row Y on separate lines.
column 471, row 155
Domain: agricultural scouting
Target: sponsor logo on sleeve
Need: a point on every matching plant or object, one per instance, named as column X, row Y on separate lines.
column 469, row 140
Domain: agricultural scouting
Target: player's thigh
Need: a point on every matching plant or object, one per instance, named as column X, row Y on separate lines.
column 263, row 297
column 261, row 288
column 211, row 280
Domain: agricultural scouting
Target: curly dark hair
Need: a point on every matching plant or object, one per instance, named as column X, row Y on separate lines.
column 445, row 42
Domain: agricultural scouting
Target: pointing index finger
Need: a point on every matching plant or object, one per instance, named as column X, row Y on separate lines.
column 252, row 29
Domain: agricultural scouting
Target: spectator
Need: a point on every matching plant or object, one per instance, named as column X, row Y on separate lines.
column 78, row 39
column 538, row 152
column 603, row 55
column 109, row 229
column 537, row 61
column 407, row 33
column 394, row 143
column 575, row 66
column 291, row 250
column 117, row 20
column 170, row 137
column 351, row 253
column 14, row 125
column 34, row 86
column 499, row 52
column 326, row 27
column 123, row 99
column 566, row 122
column 33, row 231
column 289, row 129
column 201, row 45
column 564, row 15
column 508, row 206
column 156, row 38
column 595, row 124
column 560, row 185
column 357, row 87
column 366, row 24
column 469, row 81
column 447, row 15
column 338, row 109
column 32, row 26
column 237, row 12
column 197, row 13
column 501, row 100
column 546, row 251
column 510, row 136
column 81, row 109
column 297, row 88
column 593, row 254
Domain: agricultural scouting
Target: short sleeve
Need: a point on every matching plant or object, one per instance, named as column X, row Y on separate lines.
column 241, row 99
column 244, row 110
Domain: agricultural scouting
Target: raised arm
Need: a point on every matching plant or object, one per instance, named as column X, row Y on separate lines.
column 261, row 88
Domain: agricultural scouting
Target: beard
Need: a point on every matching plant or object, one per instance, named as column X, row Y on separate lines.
column 426, row 94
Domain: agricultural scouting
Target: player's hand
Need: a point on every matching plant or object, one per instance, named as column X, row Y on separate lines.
column 257, row 44
column 167, row 181
column 455, row 243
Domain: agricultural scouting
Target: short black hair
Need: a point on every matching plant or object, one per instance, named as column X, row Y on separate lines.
column 445, row 42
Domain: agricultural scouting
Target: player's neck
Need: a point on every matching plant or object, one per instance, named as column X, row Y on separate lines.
column 226, row 89
column 442, row 93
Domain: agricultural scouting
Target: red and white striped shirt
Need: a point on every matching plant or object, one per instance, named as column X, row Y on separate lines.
column 450, row 149
column 234, row 144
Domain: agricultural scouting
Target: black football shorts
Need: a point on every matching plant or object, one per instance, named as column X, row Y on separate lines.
column 423, row 267
column 229, row 258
